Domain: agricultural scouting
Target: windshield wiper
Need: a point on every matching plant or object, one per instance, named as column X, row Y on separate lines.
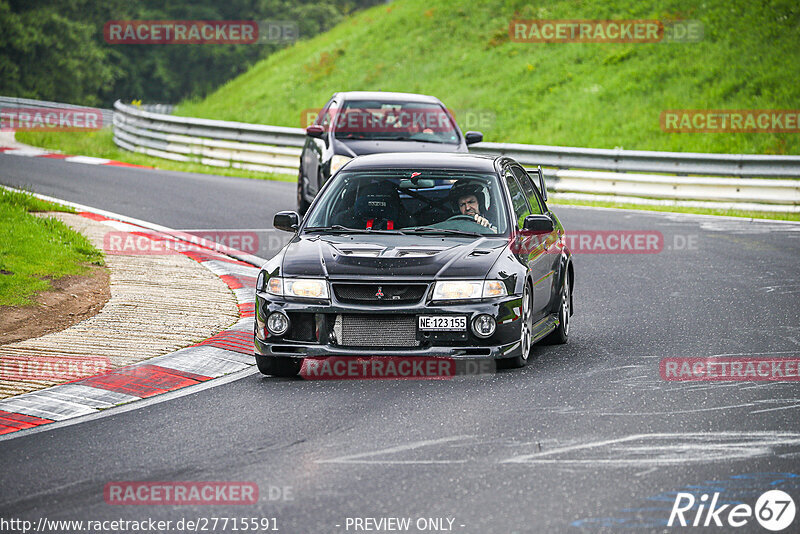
column 432, row 230
column 345, row 229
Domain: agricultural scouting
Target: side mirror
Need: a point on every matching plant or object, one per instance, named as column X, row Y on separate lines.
column 473, row 137
column 288, row 221
column 542, row 184
column 538, row 224
column 315, row 130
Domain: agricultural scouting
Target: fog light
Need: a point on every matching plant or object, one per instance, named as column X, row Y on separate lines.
column 277, row 323
column 483, row 325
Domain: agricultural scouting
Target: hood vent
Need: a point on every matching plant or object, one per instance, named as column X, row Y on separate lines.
column 480, row 252
column 416, row 253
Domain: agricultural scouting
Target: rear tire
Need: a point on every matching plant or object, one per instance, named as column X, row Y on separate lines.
column 278, row 365
column 560, row 335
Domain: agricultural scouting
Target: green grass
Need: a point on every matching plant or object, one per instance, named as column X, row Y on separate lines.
column 28, row 202
column 776, row 216
column 575, row 94
column 35, row 250
column 100, row 144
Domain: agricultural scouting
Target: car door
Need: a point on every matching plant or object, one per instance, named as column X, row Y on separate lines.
column 545, row 244
column 529, row 252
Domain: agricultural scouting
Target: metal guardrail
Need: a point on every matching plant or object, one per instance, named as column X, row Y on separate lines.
column 569, row 170
column 13, row 102
column 276, row 149
column 209, row 142
column 780, row 194
column 618, row 160
column 166, row 109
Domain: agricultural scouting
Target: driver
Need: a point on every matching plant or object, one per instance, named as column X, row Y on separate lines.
column 470, row 200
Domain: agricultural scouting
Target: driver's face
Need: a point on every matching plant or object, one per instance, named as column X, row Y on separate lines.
column 468, row 205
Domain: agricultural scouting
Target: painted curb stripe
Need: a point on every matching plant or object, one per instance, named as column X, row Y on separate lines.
column 232, row 340
column 227, row 352
column 207, row 360
column 232, row 281
column 92, row 216
column 143, row 380
column 201, row 256
column 11, row 422
column 35, row 152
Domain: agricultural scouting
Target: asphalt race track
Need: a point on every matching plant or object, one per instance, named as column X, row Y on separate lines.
column 588, row 437
column 174, row 199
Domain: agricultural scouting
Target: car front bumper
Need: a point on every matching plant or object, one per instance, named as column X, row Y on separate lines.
column 318, row 339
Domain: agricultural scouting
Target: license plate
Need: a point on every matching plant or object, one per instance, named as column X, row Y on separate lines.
column 443, row 323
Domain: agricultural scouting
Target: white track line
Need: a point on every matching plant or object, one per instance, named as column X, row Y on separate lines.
column 135, row 405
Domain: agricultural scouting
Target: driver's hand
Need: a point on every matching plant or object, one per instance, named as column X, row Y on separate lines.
column 483, row 221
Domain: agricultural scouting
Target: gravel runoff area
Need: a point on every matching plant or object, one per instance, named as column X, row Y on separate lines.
column 159, row 303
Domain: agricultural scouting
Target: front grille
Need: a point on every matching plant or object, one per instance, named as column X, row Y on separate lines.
column 387, row 294
column 376, row 330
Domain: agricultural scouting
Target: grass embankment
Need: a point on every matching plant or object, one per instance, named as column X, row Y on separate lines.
column 35, row 250
column 600, row 95
column 100, row 144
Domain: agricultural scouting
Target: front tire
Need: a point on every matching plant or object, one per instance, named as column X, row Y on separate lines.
column 278, row 365
column 526, row 334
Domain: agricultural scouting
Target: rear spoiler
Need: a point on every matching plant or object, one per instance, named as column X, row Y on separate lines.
column 542, row 185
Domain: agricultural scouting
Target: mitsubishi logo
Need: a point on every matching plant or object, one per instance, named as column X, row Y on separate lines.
column 379, row 294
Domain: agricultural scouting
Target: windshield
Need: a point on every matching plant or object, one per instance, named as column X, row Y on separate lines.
column 404, row 121
column 408, row 201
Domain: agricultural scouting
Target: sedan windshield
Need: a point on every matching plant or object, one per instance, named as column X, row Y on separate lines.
column 425, row 202
column 401, row 121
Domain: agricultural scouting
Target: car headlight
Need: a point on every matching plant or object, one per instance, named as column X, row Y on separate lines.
column 337, row 161
column 468, row 289
column 310, row 288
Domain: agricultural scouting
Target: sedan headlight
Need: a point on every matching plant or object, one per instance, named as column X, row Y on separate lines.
column 310, row 288
column 468, row 289
column 337, row 161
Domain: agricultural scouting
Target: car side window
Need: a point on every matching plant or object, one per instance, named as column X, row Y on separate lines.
column 530, row 190
column 518, row 201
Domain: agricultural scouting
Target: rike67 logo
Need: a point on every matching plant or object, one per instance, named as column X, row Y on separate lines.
column 774, row 510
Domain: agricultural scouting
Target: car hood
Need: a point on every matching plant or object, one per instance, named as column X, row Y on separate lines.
column 383, row 255
column 362, row 147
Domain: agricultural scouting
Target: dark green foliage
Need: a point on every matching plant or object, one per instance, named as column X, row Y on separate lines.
column 54, row 49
